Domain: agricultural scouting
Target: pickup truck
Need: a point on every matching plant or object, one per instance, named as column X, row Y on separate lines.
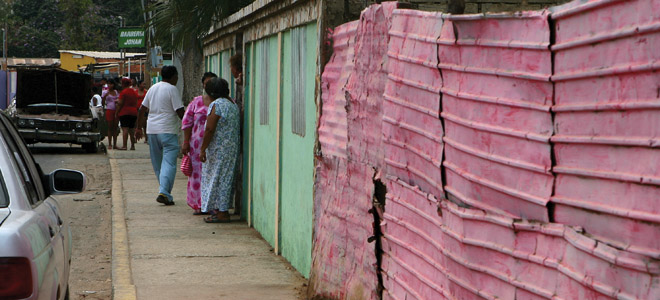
column 53, row 106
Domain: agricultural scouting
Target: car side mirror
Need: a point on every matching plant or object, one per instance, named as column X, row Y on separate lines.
column 63, row 182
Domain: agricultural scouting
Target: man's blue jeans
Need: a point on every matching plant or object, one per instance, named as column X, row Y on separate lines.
column 164, row 150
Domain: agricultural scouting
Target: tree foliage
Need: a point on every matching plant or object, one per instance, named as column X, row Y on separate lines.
column 39, row 28
column 179, row 22
column 181, row 25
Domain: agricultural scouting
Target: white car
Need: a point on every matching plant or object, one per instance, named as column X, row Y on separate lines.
column 35, row 239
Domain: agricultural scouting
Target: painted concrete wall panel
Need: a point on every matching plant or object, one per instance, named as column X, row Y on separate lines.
column 297, row 152
column 248, row 107
column 264, row 195
column 606, row 124
column 469, row 254
column 550, row 259
column 496, row 107
column 413, row 266
column 344, row 263
column 412, row 130
column 366, row 85
column 333, row 134
column 225, row 69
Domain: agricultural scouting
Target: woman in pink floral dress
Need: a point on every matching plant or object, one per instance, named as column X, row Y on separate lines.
column 193, row 124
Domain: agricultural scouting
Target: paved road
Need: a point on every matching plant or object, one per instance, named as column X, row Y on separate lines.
column 89, row 212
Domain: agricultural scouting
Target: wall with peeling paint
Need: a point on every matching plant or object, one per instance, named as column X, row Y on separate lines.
column 344, row 265
column 484, row 6
column 607, row 89
column 297, row 169
column 219, row 64
column 265, row 158
column 518, row 150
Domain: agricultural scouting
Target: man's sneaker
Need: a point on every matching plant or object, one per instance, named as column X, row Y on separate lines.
column 163, row 199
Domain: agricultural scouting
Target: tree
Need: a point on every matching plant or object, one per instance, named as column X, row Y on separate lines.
column 39, row 28
column 34, row 28
column 181, row 25
column 77, row 21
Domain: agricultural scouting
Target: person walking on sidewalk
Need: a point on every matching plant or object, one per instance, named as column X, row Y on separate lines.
column 109, row 101
column 193, row 133
column 142, row 91
column 126, row 113
column 219, row 152
column 165, row 114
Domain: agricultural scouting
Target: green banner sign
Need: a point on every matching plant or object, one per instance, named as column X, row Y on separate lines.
column 131, row 38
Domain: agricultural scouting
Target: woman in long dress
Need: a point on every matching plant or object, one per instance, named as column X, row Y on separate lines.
column 219, row 152
column 193, row 134
column 109, row 99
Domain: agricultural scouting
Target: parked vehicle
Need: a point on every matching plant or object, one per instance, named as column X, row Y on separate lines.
column 35, row 238
column 52, row 106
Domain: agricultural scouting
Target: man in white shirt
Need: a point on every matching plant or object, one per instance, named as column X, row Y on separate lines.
column 165, row 108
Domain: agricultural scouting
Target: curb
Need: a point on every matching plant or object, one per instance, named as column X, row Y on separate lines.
column 122, row 280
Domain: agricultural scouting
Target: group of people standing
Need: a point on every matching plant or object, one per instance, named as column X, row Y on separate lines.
column 121, row 100
column 211, row 127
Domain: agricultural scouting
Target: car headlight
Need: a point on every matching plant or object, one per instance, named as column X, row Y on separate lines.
column 31, row 122
column 22, row 122
column 79, row 125
column 88, row 126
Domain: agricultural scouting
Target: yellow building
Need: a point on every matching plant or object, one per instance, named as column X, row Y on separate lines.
column 73, row 60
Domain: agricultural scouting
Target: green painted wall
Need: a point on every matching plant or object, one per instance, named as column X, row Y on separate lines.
column 296, row 159
column 225, row 71
column 297, row 156
column 217, row 63
column 265, row 146
column 247, row 138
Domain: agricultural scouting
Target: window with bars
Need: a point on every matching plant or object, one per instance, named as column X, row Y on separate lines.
column 263, row 50
column 298, row 75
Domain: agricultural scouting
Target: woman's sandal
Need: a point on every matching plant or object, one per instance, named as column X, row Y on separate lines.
column 215, row 219
column 198, row 212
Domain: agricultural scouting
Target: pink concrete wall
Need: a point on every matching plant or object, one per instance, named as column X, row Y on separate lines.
column 607, row 121
column 343, row 261
column 496, row 100
column 412, row 130
column 510, row 173
column 333, row 134
column 463, row 253
column 366, row 85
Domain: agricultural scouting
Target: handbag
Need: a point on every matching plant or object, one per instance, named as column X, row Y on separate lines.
column 186, row 165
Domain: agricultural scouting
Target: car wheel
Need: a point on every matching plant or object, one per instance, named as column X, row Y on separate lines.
column 92, row 147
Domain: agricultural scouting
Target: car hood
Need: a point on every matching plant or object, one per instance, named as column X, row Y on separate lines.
column 4, row 213
column 34, row 88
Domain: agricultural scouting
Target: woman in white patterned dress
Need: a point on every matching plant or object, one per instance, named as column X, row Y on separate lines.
column 219, row 152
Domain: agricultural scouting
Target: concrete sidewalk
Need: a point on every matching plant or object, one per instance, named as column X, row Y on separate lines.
column 172, row 254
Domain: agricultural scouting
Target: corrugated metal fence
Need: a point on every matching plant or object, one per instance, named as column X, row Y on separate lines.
column 520, row 155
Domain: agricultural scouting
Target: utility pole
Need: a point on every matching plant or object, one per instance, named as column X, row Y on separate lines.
column 148, row 34
column 4, row 47
column 121, row 51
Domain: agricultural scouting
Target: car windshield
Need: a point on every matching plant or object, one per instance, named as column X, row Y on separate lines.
column 4, row 197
